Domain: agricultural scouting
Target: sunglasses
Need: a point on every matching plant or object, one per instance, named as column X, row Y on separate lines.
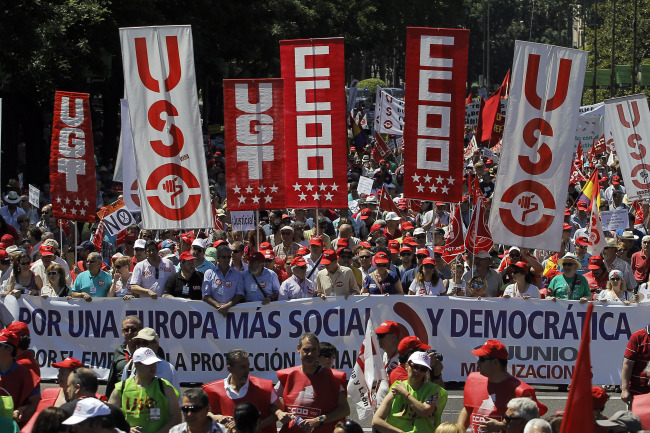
column 420, row 368
column 90, row 262
column 364, row 257
column 485, row 358
column 404, row 254
column 194, row 409
column 25, row 263
column 52, row 273
column 130, row 329
column 225, row 257
column 615, row 279
column 382, row 265
column 477, row 286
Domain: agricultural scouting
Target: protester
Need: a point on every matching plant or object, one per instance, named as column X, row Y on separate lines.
column 615, row 290
column 150, row 275
column 260, row 284
column 56, row 285
column 92, row 416
column 195, row 407
column 335, row 280
column 522, row 286
column 131, row 325
column 388, row 333
column 22, row 280
column 381, row 281
column 24, row 356
column 298, row 285
column 223, row 286
column 49, row 420
column 569, row 285
column 634, row 374
column 92, row 283
column 187, row 282
column 121, row 284
column 427, row 281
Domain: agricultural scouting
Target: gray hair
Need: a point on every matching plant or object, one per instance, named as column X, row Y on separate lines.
column 524, row 407
column 538, row 425
column 94, row 255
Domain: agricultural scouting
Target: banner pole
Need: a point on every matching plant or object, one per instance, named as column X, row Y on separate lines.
column 75, row 243
column 257, row 229
column 61, row 237
column 317, row 225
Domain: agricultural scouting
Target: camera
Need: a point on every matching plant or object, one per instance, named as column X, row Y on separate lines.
column 439, row 356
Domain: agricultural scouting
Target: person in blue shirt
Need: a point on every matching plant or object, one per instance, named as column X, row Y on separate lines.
column 92, row 283
column 260, row 284
column 223, row 286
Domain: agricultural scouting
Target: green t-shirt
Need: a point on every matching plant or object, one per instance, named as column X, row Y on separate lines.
column 560, row 286
column 404, row 418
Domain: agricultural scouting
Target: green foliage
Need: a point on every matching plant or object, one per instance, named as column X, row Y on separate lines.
column 371, row 84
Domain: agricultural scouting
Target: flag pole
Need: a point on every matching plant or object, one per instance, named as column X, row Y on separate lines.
column 317, row 225
column 257, row 229
column 76, row 241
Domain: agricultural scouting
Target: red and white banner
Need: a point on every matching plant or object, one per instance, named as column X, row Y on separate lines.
column 160, row 86
column 72, row 159
column 254, row 127
column 454, row 240
column 478, row 233
column 436, row 71
column 380, row 151
column 389, row 113
column 535, row 165
column 315, row 129
column 629, row 120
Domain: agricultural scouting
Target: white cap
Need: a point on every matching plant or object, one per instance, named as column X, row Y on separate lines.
column 166, row 253
column 483, row 255
column 418, row 231
column 371, row 199
column 139, row 243
column 199, row 243
column 420, row 358
column 87, row 408
column 392, row 216
column 146, row 356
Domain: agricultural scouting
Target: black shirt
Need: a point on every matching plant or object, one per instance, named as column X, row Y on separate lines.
column 179, row 287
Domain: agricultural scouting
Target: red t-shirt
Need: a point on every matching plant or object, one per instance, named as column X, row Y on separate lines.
column 21, row 383
column 640, row 264
column 27, row 359
column 594, row 283
column 398, row 373
column 483, row 399
column 638, row 350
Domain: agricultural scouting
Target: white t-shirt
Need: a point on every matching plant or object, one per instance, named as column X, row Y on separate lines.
column 427, row 288
column 144, row 275
column 513, row 292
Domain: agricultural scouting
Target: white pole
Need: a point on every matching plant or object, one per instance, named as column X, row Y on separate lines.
column 257, row 229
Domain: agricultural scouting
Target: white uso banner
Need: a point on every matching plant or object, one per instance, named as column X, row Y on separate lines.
column 389, row 113
column 160, row 86
column 129, row 175
column 542, row 336
column 535, row 161
column 629, row 119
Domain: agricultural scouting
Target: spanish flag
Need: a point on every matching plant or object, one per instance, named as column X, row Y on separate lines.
column 591, row 190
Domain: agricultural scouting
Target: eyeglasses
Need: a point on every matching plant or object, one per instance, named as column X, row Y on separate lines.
column 420, row 368
column 615, row 279
column 404, row 254
column 53, row 273
column 287, row 233
column 364, row 257
column 485, row 358
column 90, row 262
column 508, row 419
column 195, row 409
column 130, row 329
column 477, row 286
column 568, row 265
column 382, row 265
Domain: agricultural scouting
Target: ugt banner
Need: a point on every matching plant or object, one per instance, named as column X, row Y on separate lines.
column 436, row 72
column 160, row 86
column 542, row 336
column 629, row 120
column 535, row 164
column 72, row 159
column 315, row 123
column 254, row 122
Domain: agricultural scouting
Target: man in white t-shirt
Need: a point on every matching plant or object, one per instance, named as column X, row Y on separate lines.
column 150, row 275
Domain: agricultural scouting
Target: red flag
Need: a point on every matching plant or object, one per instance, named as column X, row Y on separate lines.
column 415, row 205
column 478, row 236
column 120, row 238
column 454, row 243
column 469, row 99
column 576, row 175
column 98, row 237
column 639, row 217
column 505, row 86
column 578, row 412
column 215, row 219
column 386, row 203
column 579, row 160
column 65, row 226
column 380, row 150
column 479, row 122
column 491, row 119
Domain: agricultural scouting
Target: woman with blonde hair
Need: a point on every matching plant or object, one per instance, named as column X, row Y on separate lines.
column 56, row 286
column 449, row 427
column 120, row 286
column 616, row 290
column 477, row 287
column 22, row 279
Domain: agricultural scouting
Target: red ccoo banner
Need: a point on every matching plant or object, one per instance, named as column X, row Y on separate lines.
column 315, row 127
column 72, row 159
column 436, row 71
column 254, row 122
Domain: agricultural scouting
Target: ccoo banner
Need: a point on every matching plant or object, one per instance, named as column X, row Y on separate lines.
column 542, row 337
column 436, row 71
column 629, row 120
column 315, row 123
column 164, row 110
column 254, row 123
column 72, row 159
column 535, row 161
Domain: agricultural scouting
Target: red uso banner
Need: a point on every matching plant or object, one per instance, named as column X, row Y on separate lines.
column 315, row 128
column 72, row 159
column 254, row 122
column 436, row 72
column 535, row 164
column 629, row 121
column 160, row 87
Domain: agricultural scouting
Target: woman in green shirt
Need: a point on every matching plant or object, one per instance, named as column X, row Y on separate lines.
column 414, row 405
column 569, row 285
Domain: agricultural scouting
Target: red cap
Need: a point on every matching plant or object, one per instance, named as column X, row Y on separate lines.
column 387, row 327
column 186, row 256
column 285, row 216
column 567, row 212
column 219, row 242
column 8, row 240
column 343, row 250
column 596, row 262
column 279, row 261
column 423, row 251
column 365, row 244
column 256, row 257
column 3, row 254
column 410, row 240
column 522, row 265
column 410, row 343
column 615, row 181
column 365, row 213
column 46, row 250
column 582, row 240
column 567, row 227
column 405, row 249
column 599, row 397
column 428, row 261
column 265, row 246
column 188, row 237
column 382, row 257
column 298, row 261
column 403, row 207
column 393, row 244
column 353, row 149
column 440, row 203
column 316, row 240
column 70, row 363
column 438, row 250
column 375, row 227
column 493, row 348
column 489, row 161
column 269, row 255
column 343, row 242
column 6, row 336
column 329, row 256
column 582, row 205
column 303, row 251
column 18, row 328
column 382, row 160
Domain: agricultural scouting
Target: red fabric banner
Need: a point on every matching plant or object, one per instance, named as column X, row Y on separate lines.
column 454, row 241
column 254, row 129
column 436, row 72
column 387, row 204
column 478, row 236
column 315, row 130
column 72, row 159
column 380, row 150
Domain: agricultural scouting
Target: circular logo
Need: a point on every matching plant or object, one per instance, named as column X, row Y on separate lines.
column 262, row 284
column 134, row 192
column 640, row 176
column 228, row 283
column 388, row 124
column 174, row 176
column 529, row 193
column 124, row 216
column 218, row 282
column 339, row 284
column 101, row 283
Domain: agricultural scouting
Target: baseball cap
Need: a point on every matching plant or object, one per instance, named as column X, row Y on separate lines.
column 147, row 334
column 211, row 254
column 410, row 240
column 87, row 408
column 219, row 242
column 522, row 265
column 286, row 229
column 265, row 246
column 256, row 257
column 375, row 227
column 71, row 363
column 387, row 327
column 7, row 240
column 616, row 180
column 428, row 261
column 582, row 205
column 622, row 421
column 167, row 243
column 298, row 261
column 343, row 250
column 409, row 343
column 419, row 231
column 186, row 256
column 405, row 249
column 145, row 355
column 269, row 255
column 139, row 243
column 303, row 251
column 3, row 255
column 329, row 256
column 86, row 245
column 371, row 199
column 595, row 262
column 407, row 225
column 365, row 244
column 420, row 358
column 46, row 250
column 188, row 237
column 365, row 213
column 199, row 243
column 316, row 240
column 18, row 328
column 567, row 212
column 439, row 250
column 493, row 348
column 615, row 273
column 439, row 231
column 423, row 252
column 566, row 226
column 343, row 242
column 599, row 397
column 8, row 337
column 392, row 216
column 381, row 257
column 582, row 240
